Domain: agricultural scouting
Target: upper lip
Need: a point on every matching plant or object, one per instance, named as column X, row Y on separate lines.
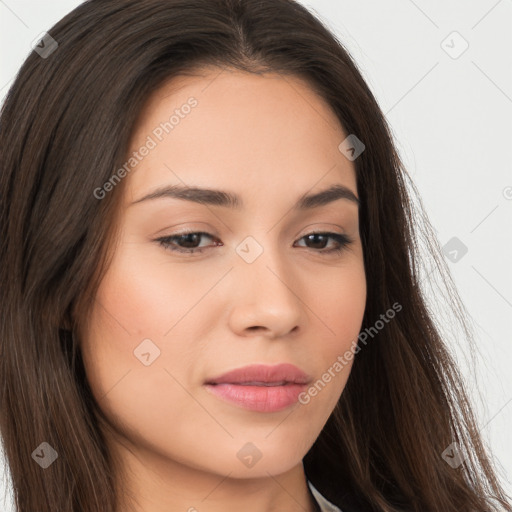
column 260, row 373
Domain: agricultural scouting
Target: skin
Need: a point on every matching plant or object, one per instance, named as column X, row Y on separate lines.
column 269, row 139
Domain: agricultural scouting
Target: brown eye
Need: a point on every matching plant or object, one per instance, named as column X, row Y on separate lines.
column 320, row 240
column 185, row 242
column 190, row 242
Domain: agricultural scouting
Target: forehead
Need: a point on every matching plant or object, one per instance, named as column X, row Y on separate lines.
column 234, row 130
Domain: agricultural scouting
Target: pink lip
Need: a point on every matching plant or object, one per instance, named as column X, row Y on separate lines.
column 260, row 387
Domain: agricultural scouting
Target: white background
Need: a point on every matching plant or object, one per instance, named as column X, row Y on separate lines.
column 452, row 122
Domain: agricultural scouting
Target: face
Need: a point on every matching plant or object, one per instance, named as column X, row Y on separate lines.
column 200, row 285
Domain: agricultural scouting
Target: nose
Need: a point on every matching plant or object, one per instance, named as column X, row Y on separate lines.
column 267, row 298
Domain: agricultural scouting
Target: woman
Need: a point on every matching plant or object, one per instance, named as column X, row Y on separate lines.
column 211, row 291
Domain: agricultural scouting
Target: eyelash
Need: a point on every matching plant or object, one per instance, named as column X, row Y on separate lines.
column 166, row 242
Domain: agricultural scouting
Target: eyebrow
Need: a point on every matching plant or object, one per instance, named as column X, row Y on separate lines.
column 229, row 200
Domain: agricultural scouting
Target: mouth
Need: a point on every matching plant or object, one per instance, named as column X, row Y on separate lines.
column 260, row 388
column 266, row 397
column 263, row 375
column 281, row 383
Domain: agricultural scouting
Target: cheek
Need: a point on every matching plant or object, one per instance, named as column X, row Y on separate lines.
column 144, row 306
column 341, row 307
column 341, row 303
column 149, row 404
column 146, row 296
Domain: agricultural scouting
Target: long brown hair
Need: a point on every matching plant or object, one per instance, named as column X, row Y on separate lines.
column 65, row 128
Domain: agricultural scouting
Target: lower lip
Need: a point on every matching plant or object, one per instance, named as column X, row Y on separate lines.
column 258, row 398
